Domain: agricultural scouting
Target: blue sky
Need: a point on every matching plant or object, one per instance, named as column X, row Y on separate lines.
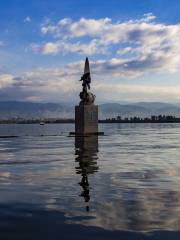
column 132, row 45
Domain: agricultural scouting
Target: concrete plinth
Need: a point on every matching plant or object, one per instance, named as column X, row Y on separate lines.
column 86, row 119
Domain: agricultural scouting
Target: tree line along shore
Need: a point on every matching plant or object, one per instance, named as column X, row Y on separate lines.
column 118, row 119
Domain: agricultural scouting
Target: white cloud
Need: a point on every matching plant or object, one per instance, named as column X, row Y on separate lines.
column 27, row 19
column 149, row 17
column 138, row 45
column 125, row 50
column 137, row 92
column 48, row 48
column 6, row 80
column 66, row 47
column 133, row 48
column 68, row 29
column 89, row 27
column 61, row 84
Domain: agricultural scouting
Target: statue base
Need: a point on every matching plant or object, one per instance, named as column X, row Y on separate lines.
column 74, row 134
column 86, row 120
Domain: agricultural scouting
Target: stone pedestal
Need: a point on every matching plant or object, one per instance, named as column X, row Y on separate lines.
column 86, row 119
column 86, row 113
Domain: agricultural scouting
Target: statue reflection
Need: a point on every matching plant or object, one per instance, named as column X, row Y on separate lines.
column 86, row 157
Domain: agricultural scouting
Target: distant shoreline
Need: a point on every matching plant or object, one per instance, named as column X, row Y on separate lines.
column 118, row 119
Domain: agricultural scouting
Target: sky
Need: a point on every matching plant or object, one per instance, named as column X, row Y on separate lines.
column 133, row 48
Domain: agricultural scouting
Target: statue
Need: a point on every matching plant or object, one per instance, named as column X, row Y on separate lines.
column 86, row 113
column 86, row 78
column 86, row 97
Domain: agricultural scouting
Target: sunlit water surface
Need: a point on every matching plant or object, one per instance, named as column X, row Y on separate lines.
column 124, row 184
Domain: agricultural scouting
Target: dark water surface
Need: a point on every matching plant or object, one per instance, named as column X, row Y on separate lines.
column 125, row 185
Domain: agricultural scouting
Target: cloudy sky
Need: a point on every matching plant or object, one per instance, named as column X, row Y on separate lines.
column 133, row 47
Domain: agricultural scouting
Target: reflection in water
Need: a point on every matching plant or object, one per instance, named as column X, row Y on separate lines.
column 137, row 188
column 86, row 156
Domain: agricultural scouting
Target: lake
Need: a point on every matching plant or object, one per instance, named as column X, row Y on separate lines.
column 124, row 185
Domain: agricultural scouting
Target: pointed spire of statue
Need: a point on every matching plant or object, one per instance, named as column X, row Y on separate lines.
column 86, row 66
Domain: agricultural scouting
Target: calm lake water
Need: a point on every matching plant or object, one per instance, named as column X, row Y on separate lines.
column 124, row 185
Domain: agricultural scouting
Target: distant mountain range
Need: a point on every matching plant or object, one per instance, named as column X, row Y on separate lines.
column 29, row 110
column 139, row 109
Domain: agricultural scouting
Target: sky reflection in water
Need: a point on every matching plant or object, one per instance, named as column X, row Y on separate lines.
column 126, row 181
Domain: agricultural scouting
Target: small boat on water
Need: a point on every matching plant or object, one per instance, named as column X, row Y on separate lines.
column 42, row 123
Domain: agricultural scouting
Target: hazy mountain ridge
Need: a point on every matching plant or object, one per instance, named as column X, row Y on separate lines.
column 13, row 109
column 28, row 110
column 139, row 109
